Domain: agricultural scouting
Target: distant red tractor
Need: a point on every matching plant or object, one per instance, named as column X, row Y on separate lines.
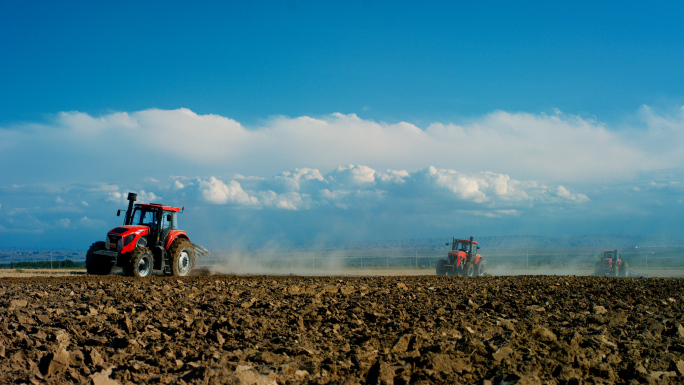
column 610, row 264
column 462, row 259
column 149, row 239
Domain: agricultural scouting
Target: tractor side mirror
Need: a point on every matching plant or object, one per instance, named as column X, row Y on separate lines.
column 446, row 244
column 118, row 213
column 478, row 247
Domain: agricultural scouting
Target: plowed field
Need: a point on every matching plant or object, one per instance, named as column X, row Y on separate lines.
column 341, row 330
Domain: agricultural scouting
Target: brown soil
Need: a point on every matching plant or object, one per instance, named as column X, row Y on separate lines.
column 341, row 330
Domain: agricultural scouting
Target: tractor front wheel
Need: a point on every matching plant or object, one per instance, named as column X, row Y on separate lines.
column 440, row 267
column 94, row 264
column 182, row 257
column 141, row 263
column 469, row 269
column 598, row 269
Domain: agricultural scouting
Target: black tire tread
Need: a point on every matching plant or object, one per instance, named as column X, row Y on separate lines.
column 178, row 245
column 136, row 255
column 93, row 265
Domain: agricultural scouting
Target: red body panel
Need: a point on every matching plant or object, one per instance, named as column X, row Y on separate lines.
column 173, row 234
column 458, row 258
column 141, row 231
column 609, row 262
column 477, row 258
column 138, row 230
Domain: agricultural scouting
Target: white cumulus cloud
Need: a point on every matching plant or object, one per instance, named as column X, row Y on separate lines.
column 217, row 192
column 554, row 148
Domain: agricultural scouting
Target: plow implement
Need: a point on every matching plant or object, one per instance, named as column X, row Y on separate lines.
column 200, row 251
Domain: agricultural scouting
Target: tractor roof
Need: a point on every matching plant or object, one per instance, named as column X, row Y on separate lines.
column 465, row 241
column 155, row 206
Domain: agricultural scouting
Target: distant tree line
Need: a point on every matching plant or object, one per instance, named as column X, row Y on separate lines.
column 65, row 264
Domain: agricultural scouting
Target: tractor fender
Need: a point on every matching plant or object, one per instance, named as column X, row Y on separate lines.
column 477, row 259
column 173, row 235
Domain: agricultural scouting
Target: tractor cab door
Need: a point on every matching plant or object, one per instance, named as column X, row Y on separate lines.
column 152, row 221
column 468, row 248
column 168, row 223
column 144, row 216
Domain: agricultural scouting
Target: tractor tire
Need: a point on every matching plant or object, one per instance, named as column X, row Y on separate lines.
column 140, row 265
column 624, row 270
column 480, row 268
column 182, row 257
column 598, row 269
column 469, row 270
column 440, row 270
column 94, row 265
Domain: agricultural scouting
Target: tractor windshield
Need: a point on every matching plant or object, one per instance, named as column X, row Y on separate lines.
column 609, row 255
column 145, row 217
column 460, row 246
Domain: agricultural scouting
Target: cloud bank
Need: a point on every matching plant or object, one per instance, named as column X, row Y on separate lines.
column 342, row 177
column 156, row 143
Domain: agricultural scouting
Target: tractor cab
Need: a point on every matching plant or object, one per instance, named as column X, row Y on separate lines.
column 160, row 219
column 461, row 251
column 609, row 258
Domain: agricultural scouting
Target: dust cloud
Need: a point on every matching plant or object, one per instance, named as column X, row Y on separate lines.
column 372, row 261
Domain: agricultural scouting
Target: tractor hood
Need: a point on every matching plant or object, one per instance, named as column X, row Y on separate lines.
column 124, row 238
column 458, row 253
column 127, row 229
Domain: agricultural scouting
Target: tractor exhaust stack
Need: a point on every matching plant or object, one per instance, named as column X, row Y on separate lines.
column 132, row 197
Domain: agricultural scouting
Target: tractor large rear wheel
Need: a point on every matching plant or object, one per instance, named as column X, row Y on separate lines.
column 94, row 264
column 624, row 270
column 480, row 268
column 140, row 263
column 182, row 257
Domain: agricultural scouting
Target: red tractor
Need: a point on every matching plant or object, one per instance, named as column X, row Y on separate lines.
column 610, row 264
column 149, row 239
column 462, row 259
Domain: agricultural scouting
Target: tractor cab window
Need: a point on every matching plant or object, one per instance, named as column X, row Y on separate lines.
column 460, row 246
column 169, row 220
column 145, row 217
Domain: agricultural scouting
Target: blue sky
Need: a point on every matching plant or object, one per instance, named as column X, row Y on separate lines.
column 302, row 120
